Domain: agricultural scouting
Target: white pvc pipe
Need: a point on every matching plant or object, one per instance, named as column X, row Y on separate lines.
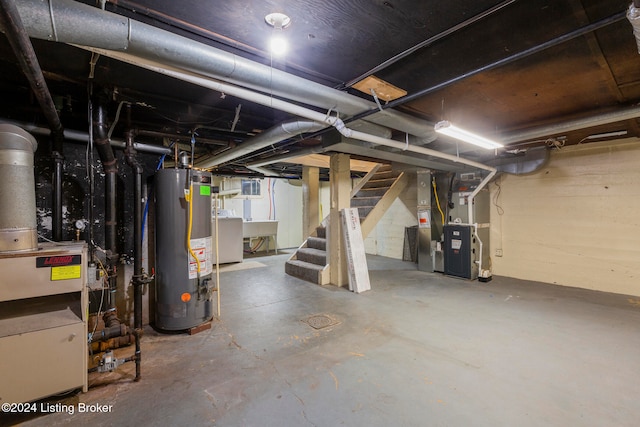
column 471, row 215
column 264, row 171
column 475, row 192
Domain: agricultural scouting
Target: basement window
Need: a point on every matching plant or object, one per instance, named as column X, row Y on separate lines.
column 251, row 187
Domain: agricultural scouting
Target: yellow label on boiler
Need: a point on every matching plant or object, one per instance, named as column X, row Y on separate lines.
column 66, row 272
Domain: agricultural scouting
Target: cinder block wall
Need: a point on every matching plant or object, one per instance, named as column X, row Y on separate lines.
column 573, row 223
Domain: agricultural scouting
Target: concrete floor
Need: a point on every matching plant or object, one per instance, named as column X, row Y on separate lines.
column 419, row 349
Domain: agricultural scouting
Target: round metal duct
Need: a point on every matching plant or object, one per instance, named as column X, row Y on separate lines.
column 18, row 224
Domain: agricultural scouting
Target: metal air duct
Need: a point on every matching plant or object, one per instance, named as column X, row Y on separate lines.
column 571, row 125
column 67, row 20
column 21, row 45
column 271, row 136
column 18, row 224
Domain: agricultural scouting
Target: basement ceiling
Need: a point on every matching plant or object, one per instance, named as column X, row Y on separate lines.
column 498, row 68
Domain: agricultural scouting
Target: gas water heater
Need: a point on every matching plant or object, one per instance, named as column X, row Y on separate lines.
column 184, row 279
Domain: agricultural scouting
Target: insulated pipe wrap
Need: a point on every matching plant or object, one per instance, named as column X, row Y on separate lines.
column 18, row 223
column 633, row 15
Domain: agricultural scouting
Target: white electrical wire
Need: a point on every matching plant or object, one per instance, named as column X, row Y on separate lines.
column 51, row 241
column 115, row 121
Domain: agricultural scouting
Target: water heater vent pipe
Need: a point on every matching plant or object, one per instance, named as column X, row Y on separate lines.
column 18, row 223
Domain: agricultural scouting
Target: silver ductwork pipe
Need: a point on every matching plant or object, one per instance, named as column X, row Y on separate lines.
column 67, row 21
column 264, row 171
column 18, row 223
column 270, row 136
column 79, row 136
column 530, row 161
column 287, row 156
column 571, row 125
column 633, row 15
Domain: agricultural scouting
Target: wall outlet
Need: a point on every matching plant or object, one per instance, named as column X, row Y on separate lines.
column 498, row 252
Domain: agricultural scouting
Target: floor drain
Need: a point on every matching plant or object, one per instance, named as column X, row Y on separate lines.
column 320, row 321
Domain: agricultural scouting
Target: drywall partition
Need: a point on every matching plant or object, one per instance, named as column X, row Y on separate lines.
column 573, row 223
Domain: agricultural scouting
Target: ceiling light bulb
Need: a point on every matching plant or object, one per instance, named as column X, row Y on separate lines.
column 446, row 128
column 278, row 45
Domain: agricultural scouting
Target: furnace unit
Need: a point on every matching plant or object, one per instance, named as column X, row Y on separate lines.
column 461, row 249
column 466, row 236
column 43, row 293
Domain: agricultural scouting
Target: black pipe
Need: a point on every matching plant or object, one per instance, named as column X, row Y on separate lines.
column 23, row 49
column 56, row 220
column 504, row 61
column 101, row 140
column 110, row 332
column 177, row 136
column 21, row 45
column 429, row 41
column 91, row 176
column 137, row 278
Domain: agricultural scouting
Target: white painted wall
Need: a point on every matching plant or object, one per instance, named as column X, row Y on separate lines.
column 287, row 208
column 324, row 194
column 575, row 222
column 387, row 238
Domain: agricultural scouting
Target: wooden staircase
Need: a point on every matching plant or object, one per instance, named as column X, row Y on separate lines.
column 310, row 260
column 373, row 195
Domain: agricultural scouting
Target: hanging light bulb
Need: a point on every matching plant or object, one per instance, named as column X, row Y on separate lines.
column 278, row 43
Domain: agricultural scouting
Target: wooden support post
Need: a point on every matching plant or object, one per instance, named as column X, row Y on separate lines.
column 340, row 188
column 310, row 199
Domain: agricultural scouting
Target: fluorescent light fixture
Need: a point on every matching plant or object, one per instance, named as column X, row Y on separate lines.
column 446, row 128
column 607, row 135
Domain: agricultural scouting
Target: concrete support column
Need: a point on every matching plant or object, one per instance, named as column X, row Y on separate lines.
column 340, row 188
column 310, row 199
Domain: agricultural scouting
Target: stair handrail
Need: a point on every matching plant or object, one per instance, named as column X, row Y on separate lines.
column 365, row 179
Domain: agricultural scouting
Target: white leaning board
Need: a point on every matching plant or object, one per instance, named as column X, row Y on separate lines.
column 354, row 246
